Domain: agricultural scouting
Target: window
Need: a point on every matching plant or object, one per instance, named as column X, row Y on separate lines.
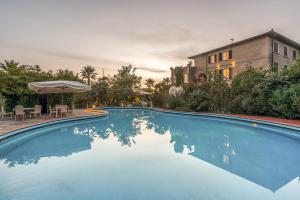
column 275, row 47
column 212, row 59
column 275, row 67
column 186, row 78
column 294, row 54
column 227, row 73
column 225, row 55
column 285, row 67
column 285, row 51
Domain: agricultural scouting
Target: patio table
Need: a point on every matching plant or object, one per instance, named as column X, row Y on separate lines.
column 58, row 109
column 26, row 110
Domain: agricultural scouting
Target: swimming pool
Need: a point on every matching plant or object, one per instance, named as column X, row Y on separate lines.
column 147, row 154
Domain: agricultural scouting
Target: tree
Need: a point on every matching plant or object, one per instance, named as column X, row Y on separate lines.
column 149, row 84
column 89, row 73
column 178, row 73
column 242, row 88
column 100, row 90
column 163, row 86
column 123, row 83
column 219, row 95
column 65, row 74
column 9, row 65
column 161, row 89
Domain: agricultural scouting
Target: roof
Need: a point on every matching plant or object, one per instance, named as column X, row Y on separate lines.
column 271, row 34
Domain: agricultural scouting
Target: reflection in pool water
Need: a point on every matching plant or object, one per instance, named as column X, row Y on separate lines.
column 142, row 154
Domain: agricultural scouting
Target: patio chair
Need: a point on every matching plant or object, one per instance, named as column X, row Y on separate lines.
column 19, row 111
column 52, row 111
column 37, row 111
column 3, row 113
column 63, row 110
column 71, row 110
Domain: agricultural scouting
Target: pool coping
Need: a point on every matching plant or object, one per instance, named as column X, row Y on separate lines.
column 212, row 115
column 19, row 131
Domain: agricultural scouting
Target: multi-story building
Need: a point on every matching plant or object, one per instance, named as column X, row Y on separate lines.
column 269, row 50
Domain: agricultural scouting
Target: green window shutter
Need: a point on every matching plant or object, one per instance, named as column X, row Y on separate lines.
column 220, row 57
column 230, row 54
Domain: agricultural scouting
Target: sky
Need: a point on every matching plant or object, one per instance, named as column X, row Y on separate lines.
column 151, row 35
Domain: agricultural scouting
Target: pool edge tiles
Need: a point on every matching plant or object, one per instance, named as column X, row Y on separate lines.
column 277, row 128
column 20, row 131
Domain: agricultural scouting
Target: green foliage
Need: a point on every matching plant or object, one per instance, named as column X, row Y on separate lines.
column 175, row 102
column 15, row 79
column 252, row 92
column 100, row 91
column 286, row 101
column 149, row 85
column 242, row 88
column 2, row 100
column 65, row 74
column 88, row 73
column 161, row 93
column 219, row 95
column 122, row 85
column 246, row 80
column 198, row 99
column 178, row 72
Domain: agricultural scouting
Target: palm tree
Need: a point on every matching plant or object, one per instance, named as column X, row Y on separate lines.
column 9, row 64
column 88, row 72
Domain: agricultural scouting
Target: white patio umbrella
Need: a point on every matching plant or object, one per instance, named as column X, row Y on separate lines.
column 60, row 86
column 143, row 92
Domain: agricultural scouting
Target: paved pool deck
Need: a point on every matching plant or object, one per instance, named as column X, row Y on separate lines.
column 8, row 125
column 268, row 119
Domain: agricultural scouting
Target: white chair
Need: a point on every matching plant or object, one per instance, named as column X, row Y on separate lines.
column 36, row 112
column 3, row 113
column 72, row 110
column 19, row 111
column 63, row 110
column 52, row 111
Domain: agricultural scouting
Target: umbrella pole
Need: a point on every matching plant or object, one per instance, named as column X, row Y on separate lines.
column 62, row 98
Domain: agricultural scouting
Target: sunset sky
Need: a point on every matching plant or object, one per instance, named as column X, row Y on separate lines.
column 151, row 35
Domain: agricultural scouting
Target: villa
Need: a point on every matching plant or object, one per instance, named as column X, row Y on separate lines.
column 269, row 50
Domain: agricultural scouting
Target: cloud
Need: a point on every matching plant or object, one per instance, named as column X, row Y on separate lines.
column 170, row 35
column 154, row 70
column 62, row 54
column 180, row 53
column 167, row 35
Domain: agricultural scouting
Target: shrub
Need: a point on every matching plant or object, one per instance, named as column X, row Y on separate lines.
column 286, row 101
column 219, row 95
column 175, row 102
column 242, row 88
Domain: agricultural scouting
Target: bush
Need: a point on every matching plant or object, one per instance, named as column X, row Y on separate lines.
column 2, row 100
column 219, row 95
column 286, row 101
column 175, row 102
column 242, row 88
column 198, row 99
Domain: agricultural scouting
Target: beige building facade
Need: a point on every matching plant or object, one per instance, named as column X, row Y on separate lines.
column 269, row 50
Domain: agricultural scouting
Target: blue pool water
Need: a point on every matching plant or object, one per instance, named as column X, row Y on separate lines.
column 144, row 154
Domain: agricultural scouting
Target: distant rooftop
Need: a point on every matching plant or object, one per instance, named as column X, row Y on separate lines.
column 271, row 34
